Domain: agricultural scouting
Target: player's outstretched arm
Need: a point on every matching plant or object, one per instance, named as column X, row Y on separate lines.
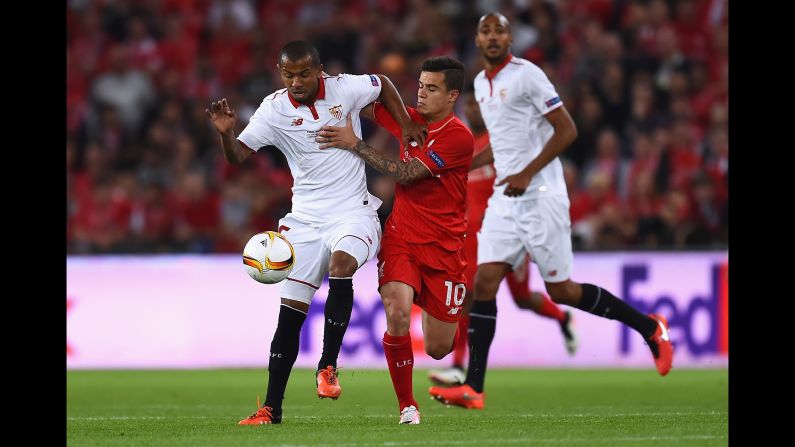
column 224, row 119
column 344, row 138
column 391, row 100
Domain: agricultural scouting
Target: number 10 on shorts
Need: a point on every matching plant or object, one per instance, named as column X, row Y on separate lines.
column 457, row 294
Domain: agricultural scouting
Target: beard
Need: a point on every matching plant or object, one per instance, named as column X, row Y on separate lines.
column 496, row 60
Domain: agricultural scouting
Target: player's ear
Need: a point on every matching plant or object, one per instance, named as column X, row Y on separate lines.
column 320, row 70
column 454, row 94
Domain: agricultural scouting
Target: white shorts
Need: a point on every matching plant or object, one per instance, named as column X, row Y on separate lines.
column 541, row 227
column 314, row 242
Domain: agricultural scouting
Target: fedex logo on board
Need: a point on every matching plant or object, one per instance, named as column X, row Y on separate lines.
column 712, row 307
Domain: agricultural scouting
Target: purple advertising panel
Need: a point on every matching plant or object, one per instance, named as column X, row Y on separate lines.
column 205, row 312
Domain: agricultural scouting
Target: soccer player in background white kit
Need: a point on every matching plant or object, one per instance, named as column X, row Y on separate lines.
column 333, row 224
column 529, row 209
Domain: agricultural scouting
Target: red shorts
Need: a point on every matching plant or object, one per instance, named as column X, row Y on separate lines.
column 437, row 275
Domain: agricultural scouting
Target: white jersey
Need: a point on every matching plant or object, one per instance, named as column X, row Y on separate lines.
column 513, row 101
column 331, row 182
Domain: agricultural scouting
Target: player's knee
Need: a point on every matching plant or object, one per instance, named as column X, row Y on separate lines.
column 485, row 291
column 487, row 281
column 342, row 271
column 300, row 306
column 342, row 266
column 556, row 293
column 397, row 317
column 562, row 293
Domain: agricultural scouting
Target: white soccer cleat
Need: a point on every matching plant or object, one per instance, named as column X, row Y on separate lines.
column 447, row 377
column 410, row 415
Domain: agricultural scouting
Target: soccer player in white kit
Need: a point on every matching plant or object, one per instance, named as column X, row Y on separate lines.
column 529, row 210
column 333, row 224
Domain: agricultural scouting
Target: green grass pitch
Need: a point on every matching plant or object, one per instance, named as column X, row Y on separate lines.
column 523, row 407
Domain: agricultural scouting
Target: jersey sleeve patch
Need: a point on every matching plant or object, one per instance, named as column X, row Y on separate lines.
column 436, row 158
column 374, row 81
column 552, row 101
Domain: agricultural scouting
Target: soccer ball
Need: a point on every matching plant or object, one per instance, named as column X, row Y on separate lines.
column 268, row 257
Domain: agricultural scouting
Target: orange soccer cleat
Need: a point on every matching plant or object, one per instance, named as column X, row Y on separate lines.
column 660, row 345
column 461, row 396
column 263, row 415
column 328, row 385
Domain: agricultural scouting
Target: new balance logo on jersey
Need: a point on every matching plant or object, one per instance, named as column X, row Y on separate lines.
column 453, row 311
column 297, row 122
column 553, row 273
column 368, row 239
column 436, row 158
column 403, row 363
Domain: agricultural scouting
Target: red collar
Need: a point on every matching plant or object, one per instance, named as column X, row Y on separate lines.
column 321, row 93
column 436, row 125
column 494, row 72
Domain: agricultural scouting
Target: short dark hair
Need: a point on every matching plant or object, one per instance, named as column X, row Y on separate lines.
column 299, row 49
column 499, row 17
column 453, row 71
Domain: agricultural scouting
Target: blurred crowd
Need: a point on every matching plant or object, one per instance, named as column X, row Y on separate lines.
column 646, row 82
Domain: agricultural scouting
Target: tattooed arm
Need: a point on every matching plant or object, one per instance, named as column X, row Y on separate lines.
column 344, row 138
column 403, row 173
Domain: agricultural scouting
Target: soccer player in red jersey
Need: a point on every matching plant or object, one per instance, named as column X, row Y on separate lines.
column 421, row 258
column 479, row 188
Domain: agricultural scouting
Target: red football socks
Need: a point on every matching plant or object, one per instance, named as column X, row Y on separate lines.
column 550, row 309
column 400, row 358
column 460, row 344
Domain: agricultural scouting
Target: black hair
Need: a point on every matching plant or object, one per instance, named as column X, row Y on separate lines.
column 299, row 49
column 453, row 71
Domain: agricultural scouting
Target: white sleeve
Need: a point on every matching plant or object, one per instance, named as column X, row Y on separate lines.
column 540, row 91
column 258, row 132
column 363, row 88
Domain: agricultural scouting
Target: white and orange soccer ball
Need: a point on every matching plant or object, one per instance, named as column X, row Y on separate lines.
column 268, row 257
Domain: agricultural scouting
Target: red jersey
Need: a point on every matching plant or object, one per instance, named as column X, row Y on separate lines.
column 432, row 210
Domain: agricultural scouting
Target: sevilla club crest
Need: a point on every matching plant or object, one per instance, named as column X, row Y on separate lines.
column 336, row 111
